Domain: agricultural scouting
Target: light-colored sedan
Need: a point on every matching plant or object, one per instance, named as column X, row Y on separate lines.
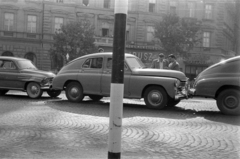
column 90, row 75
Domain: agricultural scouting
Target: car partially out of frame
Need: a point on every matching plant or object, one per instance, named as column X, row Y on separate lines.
column 90, row 75
column 221, row 81
column 20, row 74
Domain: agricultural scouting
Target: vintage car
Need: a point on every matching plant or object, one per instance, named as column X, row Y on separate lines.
column 221, row 81
column 90, row 75
column 20, row 74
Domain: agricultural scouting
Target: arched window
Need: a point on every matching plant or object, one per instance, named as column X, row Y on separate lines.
column 31, row 56
column 7, row 53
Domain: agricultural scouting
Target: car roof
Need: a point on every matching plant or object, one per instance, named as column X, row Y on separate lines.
column 106, row 54
column 101, row 54
column 236, row 58
column 12, row 58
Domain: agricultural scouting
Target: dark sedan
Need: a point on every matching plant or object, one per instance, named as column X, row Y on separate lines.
column 221, row 82
column 20, row 74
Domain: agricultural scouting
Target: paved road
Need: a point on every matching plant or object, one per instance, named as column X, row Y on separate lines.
column 56, row 128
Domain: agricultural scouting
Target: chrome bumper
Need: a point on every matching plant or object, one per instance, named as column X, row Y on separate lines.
column 45, row 87
column 192, row 91
column 184, row 93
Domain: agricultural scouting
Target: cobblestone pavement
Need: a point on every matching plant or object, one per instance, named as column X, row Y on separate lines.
column 56, row 128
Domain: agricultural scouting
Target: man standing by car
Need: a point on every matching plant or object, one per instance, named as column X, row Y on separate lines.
column 160, row 62
column 173, row 65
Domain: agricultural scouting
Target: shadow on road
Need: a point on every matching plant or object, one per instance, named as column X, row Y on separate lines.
column 14, row 102
column 134, row 108
column 101, row 108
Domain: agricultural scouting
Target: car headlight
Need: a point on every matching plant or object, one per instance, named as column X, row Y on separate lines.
column 46, row 81
column 177, row 83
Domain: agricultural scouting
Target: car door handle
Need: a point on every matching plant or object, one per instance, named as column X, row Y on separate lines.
column 81, row 71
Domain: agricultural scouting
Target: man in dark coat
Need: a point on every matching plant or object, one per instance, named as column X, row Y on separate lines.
column 173, row 65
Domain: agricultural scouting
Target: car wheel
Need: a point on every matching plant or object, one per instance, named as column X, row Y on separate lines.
column 74, row 92
column 95, row 97
column 3, row 92
column 155, row 97
column 34, row 90
column 54, row 93
column 228, row 102
column 172, row 102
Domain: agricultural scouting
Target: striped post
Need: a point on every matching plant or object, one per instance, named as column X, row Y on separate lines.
column 117, row 83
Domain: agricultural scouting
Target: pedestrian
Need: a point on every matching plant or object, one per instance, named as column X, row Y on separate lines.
column 160, row 62
column 173, row 64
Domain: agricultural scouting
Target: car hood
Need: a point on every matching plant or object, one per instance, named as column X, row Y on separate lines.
column 161, row 72
column 39, row 72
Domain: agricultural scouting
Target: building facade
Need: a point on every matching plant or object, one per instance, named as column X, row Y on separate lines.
column 27, row 28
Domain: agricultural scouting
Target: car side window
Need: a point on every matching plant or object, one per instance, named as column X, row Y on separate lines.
column 125, row 66
column 109, row 63
column 87, row 63
column 93, row 63
column 7, row 65
column 1, row 64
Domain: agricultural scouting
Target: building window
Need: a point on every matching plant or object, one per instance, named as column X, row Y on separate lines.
column 152, row 5
column 106, row 4
column 191, row 9
column 173, row 7
column 85, row 2
column 192, row 71
column 130, row 5
column 206, row 39
column 150, row 33
column 32, row 24
column 31, row 56
column 59, row 1
column 173, row 10
column 208, row 11
column 105, row 32
column 105, row 29
column 8, row 21
column 58, row 23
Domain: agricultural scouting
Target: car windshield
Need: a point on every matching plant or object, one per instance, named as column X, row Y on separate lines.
column 135, row 63
column 25, row 64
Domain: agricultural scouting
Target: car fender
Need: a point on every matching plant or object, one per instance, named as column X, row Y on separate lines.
column 208, row 87
column 139, row 83
column 60, row 80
